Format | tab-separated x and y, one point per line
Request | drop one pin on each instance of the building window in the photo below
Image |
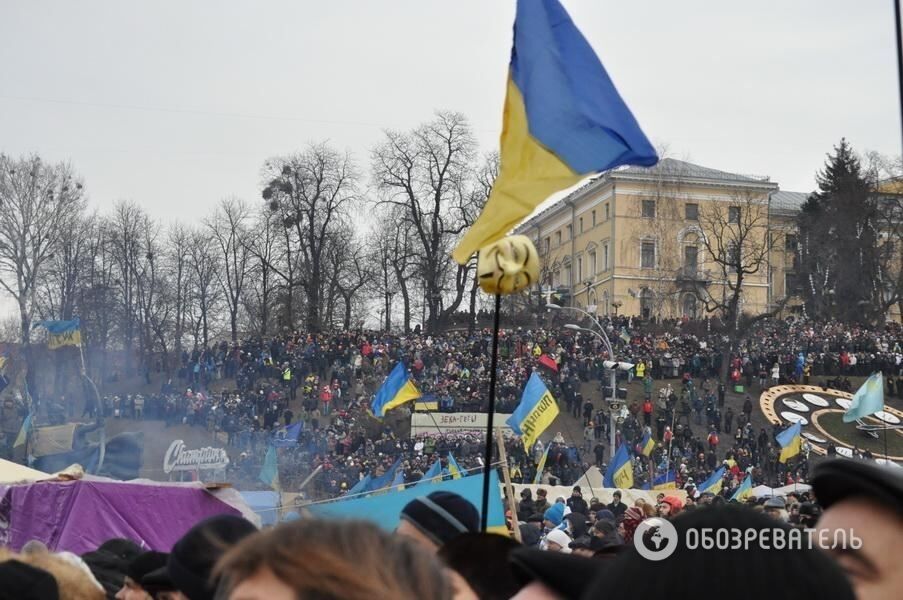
548	244
567	276
579	268
647	255
581	225
605	256
691	259
570	231
691	212
592	263
606	211
790	242
557	238
556	279
648	209
791	284
594	218
733	215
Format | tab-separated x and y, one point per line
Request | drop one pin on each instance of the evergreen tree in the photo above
839	242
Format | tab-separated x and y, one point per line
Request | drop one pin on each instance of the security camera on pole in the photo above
614	404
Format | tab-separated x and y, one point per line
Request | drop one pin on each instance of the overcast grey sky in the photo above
176	104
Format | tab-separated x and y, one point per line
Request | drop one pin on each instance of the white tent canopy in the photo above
11	472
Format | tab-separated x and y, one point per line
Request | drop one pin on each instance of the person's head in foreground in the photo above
756	572
329	560
864	500
193	557
434	520
45	576
479	562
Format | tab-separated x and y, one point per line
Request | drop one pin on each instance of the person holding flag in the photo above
537	479
534	414
647	445
398	389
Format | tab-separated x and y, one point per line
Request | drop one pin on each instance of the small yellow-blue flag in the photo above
536	411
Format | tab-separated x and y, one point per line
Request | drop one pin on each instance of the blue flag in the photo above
536	411
385	480
714	483
361	486
433	473
286	437
397	389
868	399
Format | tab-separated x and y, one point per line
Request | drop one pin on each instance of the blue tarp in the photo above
265	504
384	508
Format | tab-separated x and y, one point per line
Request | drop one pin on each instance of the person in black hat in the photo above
193	557
141	565
109	562
865	500
433	520
19	581
754	572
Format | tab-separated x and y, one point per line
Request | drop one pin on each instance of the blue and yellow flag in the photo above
386	479
542	465
647	445
427	403
563	119
453	469
434	473
619	473
23	432
62	333
744	490
269	473
395	391
713	484
791	442
536	411
867	400
665	481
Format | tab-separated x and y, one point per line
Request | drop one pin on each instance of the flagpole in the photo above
487	463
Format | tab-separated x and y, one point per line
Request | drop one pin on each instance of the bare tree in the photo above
38	202
312	192
229	229
204	263
177	259
262	243
735	239
427	174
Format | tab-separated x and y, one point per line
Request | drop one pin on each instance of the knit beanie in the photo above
554	514
441	516
561	538
194	555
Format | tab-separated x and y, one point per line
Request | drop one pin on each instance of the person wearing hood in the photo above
553	516
576	502
557	541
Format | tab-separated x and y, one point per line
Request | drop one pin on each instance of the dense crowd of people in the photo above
833	542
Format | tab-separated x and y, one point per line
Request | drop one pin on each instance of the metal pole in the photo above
611	412
487	463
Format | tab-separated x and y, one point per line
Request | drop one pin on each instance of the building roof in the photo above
787	202
665	168
671	167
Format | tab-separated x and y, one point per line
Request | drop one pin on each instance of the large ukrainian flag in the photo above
395	391
714	483
563	119
62	333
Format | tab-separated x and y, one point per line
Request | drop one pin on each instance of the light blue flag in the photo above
434	472
269	473
868	399
361	486
385	480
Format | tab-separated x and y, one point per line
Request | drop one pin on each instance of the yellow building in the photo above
638	241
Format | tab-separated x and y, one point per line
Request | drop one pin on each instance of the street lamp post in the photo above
612	365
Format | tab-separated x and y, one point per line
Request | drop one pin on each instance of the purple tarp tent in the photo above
79	516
